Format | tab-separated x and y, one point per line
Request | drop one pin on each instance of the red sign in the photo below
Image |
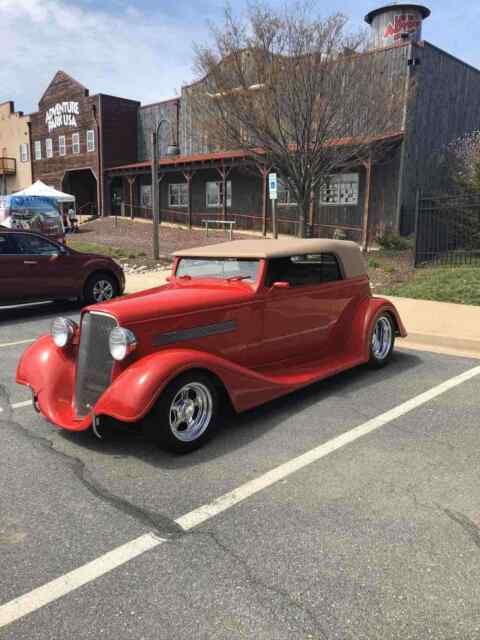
402	23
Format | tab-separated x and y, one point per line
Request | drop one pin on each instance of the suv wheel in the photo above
101	287
186	414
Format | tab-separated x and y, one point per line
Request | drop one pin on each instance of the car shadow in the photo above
37	311
240	430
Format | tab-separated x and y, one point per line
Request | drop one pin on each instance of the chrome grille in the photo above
94	362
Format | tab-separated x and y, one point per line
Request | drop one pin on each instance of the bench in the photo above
227	224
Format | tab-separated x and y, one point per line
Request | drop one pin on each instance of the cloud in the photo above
131	53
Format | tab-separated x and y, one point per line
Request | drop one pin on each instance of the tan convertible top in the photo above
348	252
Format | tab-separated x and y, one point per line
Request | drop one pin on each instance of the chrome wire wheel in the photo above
190	412
103	291
382	338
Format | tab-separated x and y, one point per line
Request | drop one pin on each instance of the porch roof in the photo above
218	158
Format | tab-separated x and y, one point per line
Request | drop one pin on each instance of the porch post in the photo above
224	173
264	171
131	182
366	206
188	177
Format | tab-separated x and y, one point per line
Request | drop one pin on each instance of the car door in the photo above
50	275
299	316
13	272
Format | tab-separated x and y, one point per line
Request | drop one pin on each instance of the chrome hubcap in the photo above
191	411
102	291
382	338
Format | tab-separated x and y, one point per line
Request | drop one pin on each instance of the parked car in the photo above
32	268
32	213
239	323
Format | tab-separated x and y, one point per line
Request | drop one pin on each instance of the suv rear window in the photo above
312	268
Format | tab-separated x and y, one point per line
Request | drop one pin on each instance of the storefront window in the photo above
61	146
340	189
90	140
214	194
75	143
49	148
178	194
38	149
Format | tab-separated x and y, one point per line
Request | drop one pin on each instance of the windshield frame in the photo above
231	278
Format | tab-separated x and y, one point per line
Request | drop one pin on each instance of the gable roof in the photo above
61	76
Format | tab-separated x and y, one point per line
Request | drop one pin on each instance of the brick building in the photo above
74	136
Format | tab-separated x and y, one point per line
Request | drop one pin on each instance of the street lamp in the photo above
155	198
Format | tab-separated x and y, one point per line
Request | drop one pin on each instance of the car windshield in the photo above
224	268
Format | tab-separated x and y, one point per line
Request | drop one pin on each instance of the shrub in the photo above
394	242
373	264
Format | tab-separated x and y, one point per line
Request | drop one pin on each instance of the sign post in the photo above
272	189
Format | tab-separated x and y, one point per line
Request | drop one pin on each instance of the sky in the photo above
143	49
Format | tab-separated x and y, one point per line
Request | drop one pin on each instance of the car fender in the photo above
134	392
364	319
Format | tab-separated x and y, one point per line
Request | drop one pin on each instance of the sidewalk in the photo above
441	327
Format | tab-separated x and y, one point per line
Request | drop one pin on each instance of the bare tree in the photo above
292	89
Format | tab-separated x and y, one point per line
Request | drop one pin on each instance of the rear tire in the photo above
186	415
100	287
382	340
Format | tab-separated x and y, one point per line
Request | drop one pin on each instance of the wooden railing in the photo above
8	166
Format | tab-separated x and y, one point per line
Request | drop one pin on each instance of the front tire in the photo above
100	287
382	340
186	415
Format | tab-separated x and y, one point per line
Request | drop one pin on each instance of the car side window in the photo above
7	245
304	269
32	245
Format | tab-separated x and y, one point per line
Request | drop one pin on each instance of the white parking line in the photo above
19	405
40	597
14	344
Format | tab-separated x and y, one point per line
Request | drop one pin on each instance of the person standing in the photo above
72	219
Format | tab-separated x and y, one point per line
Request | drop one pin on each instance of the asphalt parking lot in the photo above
348	510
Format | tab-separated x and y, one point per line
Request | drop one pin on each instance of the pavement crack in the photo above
162	525
313	630
467	525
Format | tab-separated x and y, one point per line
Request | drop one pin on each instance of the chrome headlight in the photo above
121	342
62	331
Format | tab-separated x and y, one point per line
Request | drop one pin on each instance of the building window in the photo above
75	143
24	152
214	193
178	194
340	189
38	149
49	148
90	140
284	196
62	149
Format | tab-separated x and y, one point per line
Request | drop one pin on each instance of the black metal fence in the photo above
448	230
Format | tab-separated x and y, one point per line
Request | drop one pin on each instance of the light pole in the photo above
155	198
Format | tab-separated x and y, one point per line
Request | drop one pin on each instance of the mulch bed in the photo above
389	268
137	236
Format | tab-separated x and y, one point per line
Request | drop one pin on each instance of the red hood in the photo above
175	298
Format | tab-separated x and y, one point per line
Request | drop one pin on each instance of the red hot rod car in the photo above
240	322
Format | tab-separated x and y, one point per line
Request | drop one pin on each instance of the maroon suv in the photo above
32	267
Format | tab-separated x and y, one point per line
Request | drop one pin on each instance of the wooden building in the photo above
99	147
15	166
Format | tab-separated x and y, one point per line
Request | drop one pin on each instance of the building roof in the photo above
245	154
348	252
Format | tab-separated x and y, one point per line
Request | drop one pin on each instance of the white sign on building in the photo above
63	114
